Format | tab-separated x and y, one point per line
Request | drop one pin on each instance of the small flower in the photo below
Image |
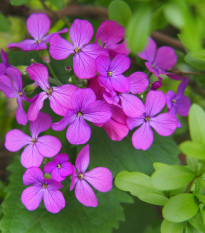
13	88
110	34
59	97
38	25
4	65
59	167
164	124
100	178
84	107
36	147
46	189
85	54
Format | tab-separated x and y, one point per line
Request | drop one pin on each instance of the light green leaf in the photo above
194	60
4	23
197	123
158	165
18	2
193	149
120	12
172	177
171	227
138	30
202	211
180	208
200	197
197	222
139	184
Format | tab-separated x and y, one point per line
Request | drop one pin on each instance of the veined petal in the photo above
38	24
33	175
28	45
16	139
2	68
83	159
135	122
182	86
142	138
85	194
47	37
154	103
138	82
66	169
21	116
120	64
31	197
81	32
49	167
94	50
105	82
54	200
48	146
74	179
60	48
182	106
78	132
30	157
16	78
149	52
4	58
36	106
164	124
61	158
103	65
100	178
169	97
120	83
115	49
6	87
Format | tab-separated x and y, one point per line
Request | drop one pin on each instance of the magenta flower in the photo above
36	147
38	25
13	88
85	54
59	97
59	167
46	189
100	178
5	64
84	107
164	124
110	72
110	34
179	103
159	60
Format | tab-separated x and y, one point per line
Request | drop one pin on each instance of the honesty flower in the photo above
110	72
13	88
4	65
36	147
46	189
38	25
59	167
100	178
84	107
59	97
110	34
85	54
179	103
164	124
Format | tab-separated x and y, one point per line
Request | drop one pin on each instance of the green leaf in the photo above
57	3
200	197
120	12
5	24
202	211
139	184
180	208
193	60
171	227
18	2
193	149
197	222
197	124
158	165
138	30
172	177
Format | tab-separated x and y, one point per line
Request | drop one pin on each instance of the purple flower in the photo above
159	60
46	189
13	88
164	124
59	167
85	54
179	103
4	65
100	178
110	34
110	72
59	97
84	107
38	25
36	147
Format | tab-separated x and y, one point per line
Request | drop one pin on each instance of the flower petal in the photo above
142	138
120	83
138	82
149	52
16	139
85	194
94	50
6	87
55	174
4	58
31	197
48	146
74	179
83	159
183	105
103	65
135	122
100	178
28	45
21	116
66	169
81	32
182	86
54	200
16	78
61	158
33	175
49	167
120	64
169	97
47	37
60	48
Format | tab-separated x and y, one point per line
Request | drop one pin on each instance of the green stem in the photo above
55	82
53	73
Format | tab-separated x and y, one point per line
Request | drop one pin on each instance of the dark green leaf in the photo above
57	3
18	2
4	25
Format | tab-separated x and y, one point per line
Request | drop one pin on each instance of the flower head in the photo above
46	189
100	178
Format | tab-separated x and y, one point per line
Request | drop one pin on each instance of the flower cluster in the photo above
110	100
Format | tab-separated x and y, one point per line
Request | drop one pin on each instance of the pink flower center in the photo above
49	91
80	176
109	73
45	186
147	119
59	166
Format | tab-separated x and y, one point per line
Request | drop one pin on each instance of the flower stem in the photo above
53	74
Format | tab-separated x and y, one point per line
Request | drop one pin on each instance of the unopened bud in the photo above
44	56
